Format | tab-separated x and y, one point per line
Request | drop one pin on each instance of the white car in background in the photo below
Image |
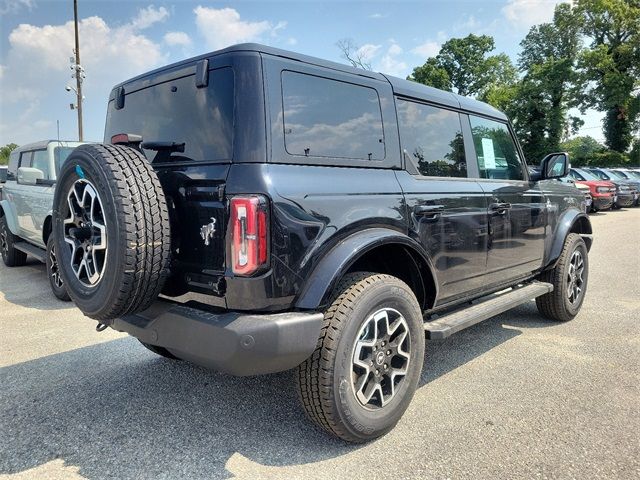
26	206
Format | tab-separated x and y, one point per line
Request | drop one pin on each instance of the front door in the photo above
446	210
516	206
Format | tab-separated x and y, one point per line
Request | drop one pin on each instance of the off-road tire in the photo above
556	305
323	381
10	255
58	290
163	352
137	230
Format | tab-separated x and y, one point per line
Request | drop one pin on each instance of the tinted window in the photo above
328	118
60	154
40	160
177	111
432	139
3	174
495	149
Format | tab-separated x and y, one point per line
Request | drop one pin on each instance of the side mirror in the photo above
29	176
554	165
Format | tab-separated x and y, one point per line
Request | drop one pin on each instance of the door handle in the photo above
500	208
428	212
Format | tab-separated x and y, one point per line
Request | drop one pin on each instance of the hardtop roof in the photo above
400	86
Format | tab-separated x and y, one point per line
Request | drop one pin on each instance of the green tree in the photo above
464	66
548	57
611	66
5	152
582	150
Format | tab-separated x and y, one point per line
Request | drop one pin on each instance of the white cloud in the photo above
427	49
368	51
377	15
526	13
177	39
394	49
148	16
14	6
36	70
292	41
391	64
223	27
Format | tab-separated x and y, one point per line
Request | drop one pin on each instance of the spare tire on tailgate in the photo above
111	228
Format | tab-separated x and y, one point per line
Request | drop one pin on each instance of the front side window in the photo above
60	155
330	118
40	161
431	139
496	151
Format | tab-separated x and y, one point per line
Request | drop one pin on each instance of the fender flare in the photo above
11	219
337	261
566	224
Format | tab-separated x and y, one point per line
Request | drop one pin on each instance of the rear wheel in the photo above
53	272
569	279
365	369
10	255
111	231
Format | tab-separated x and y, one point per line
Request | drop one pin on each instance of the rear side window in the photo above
495	150
330	118
431	139
177	111
14	159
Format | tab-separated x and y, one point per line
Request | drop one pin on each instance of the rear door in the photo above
516	207
447	210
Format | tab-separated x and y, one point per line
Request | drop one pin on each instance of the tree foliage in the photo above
582	150
611	66
5	152
464	66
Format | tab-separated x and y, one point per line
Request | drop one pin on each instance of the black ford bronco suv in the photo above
254	210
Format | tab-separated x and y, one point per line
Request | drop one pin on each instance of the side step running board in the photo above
32	250
495	304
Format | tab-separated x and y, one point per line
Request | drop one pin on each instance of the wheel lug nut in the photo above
377	372
386	366
388	352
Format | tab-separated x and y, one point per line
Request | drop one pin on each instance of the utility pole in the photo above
78	71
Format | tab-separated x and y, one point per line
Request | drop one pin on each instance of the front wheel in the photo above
362	376
11	256
569	279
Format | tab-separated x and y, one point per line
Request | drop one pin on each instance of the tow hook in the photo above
101	327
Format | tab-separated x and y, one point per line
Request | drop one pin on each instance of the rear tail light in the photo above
249	235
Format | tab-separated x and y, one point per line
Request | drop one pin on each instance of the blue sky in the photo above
120	39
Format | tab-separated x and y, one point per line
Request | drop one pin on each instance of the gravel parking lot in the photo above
513	397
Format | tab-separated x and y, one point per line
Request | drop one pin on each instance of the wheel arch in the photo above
377	250
571	222
5	211
46	228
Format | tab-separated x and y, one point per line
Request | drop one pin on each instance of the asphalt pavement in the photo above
513	397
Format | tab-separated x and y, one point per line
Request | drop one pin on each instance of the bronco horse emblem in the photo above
207	231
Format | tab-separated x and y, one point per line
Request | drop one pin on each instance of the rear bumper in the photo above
231	342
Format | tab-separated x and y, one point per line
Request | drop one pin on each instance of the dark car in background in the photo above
627	188
603	192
